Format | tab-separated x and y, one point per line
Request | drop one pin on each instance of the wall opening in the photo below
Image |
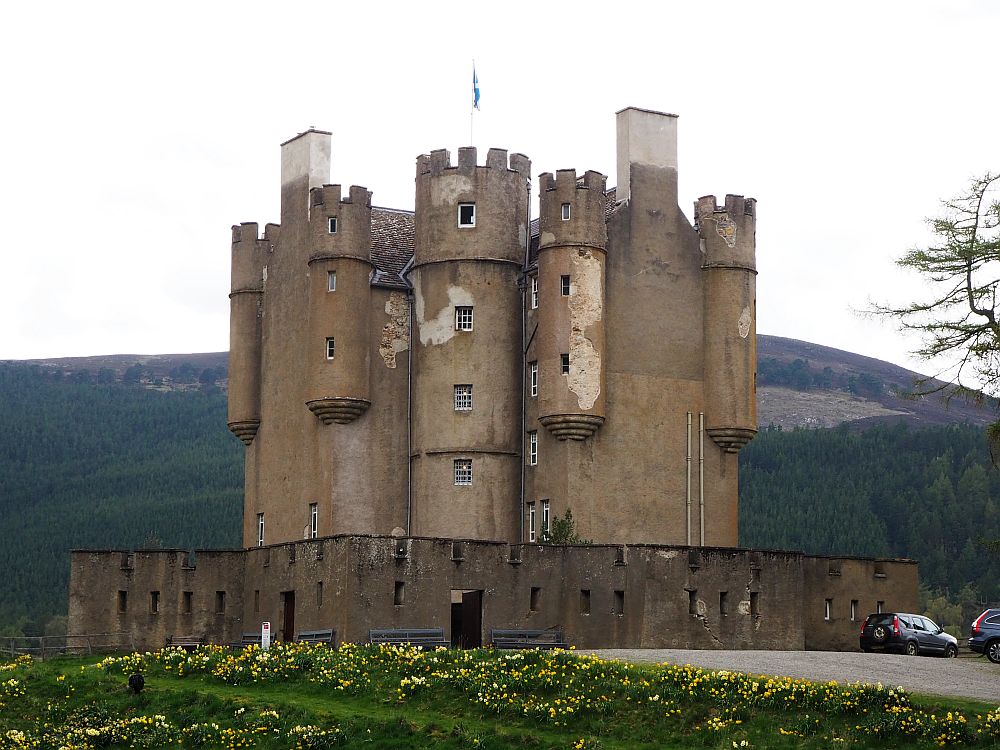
287	615
122	602
754	604
466	618
154	602
319	593
220	602
256	601
828	609
399	593
723	603
584	601
536	592
186	602
692	601
854	610
618	607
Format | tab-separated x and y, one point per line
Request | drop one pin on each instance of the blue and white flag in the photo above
475	88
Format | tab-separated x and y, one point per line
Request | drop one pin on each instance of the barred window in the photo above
546	520
463	397
533	377
463	471
564	363
531	522
463	318
313	520
532	448
564	285
534	292
260	529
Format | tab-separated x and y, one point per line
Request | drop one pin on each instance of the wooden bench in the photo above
247	639
422	637
326	637
528	639
186	642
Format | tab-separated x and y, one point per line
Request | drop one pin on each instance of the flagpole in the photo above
472	109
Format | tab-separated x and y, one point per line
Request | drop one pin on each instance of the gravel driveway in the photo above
965	677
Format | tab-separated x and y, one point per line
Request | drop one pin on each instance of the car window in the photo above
905	622
931	625
879	619
918	623
995	620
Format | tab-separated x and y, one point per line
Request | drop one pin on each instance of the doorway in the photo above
287	615
466	618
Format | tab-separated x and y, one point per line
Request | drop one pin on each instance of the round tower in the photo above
249	257
471	236
339	274
728	243
571	267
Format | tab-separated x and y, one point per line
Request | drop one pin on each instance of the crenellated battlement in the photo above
331	195
439	161
248	231
566	180
735	205
572	209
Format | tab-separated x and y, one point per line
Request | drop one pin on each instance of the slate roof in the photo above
393	235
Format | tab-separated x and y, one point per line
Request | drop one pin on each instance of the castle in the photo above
422	394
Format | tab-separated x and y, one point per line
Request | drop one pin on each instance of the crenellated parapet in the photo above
571	303
728	241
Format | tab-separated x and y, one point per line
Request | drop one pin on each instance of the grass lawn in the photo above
296	696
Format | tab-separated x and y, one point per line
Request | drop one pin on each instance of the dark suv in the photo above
985	637
906	633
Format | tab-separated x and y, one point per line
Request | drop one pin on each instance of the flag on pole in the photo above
475	87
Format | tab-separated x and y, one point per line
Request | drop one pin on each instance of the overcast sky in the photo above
136	134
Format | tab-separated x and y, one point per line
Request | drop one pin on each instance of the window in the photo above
531	522
466	214
692	601
533	448
546	520
533	377
754	604
331	226
565	211
220	602
463	397
331	281
878	607
313	520
122	602
584	601
330	348
154	602
319	593
828	607
723	603
536	593
260	529
854	610
463	318
256	601
186	605
463	471
564	363
534	292
564	285
618	606
398	593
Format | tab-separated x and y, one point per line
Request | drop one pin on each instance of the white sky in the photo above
135	135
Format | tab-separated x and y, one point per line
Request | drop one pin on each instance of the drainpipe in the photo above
688	486
524	352
701	472
409	422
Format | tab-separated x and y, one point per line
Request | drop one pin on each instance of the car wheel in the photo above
993	651
879	634
950	652
911	648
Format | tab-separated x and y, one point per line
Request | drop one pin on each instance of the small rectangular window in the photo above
260	529
534	292
536	593
220	602
256	601
466	214
186	602
331	225
313	520
546	520
564	285
584	601
878	607
854	610
331	281
827	609
531	522
754	604
693	601
463	318
533	377
723	603
154	602
565	211
618	607
319	593
463	397
398	593
532	448
122	602
330	348
564	363
463	471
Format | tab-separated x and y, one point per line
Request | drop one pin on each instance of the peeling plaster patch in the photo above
395	333
447	189
440	328
744	323
743	607
546	239
585	309
667	554
522	234
727	231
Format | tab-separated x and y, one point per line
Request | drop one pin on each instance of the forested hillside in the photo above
929	494
104	465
